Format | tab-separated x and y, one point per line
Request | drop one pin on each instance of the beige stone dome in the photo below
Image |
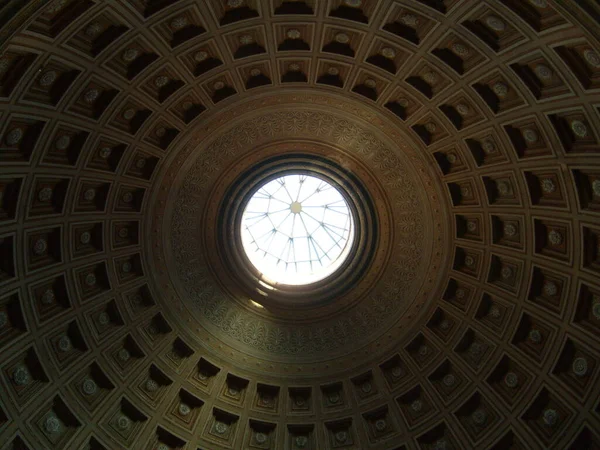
464	138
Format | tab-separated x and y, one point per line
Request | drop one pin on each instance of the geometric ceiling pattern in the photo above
501	100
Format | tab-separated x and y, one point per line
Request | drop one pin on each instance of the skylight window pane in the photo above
296	229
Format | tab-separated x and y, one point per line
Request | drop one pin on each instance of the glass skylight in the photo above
296	229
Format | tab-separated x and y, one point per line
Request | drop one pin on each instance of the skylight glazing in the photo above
297	229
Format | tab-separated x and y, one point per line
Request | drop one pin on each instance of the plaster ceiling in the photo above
473	126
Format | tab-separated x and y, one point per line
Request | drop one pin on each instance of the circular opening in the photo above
276	280
296	229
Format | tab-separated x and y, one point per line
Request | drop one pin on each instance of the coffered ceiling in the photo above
473	128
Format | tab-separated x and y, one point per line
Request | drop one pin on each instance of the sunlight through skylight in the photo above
296	229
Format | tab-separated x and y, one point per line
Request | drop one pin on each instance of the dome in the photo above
342	224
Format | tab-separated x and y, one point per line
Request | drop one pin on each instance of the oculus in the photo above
296	229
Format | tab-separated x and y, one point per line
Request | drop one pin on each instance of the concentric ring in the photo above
362	247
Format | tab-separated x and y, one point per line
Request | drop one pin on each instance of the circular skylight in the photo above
297	229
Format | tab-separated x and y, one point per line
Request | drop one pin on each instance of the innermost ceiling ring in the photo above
297	229
254	215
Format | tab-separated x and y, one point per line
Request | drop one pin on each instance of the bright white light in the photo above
296	229
256	304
